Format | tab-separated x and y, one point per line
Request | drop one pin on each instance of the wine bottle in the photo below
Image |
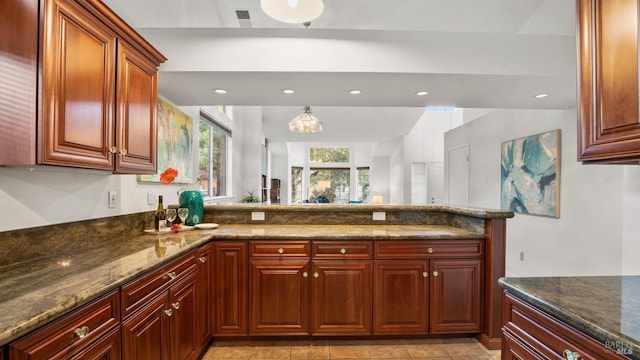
160	219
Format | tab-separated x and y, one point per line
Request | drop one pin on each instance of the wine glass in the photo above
170	214
183	213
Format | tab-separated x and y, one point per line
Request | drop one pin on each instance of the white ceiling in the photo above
466	53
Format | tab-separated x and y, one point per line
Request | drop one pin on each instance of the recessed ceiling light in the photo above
355	92
220	91
288	91
541	96
422	93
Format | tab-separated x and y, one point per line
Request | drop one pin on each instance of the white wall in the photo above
595	200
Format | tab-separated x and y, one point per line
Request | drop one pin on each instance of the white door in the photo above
418	183
458	176
435	183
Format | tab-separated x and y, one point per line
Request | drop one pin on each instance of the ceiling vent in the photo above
243	18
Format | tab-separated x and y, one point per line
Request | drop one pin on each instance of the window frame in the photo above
215	125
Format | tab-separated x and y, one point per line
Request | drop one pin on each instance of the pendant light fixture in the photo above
305	123
293	11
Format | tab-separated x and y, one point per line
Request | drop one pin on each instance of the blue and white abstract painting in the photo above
530	169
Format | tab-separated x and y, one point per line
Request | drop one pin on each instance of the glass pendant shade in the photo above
293	11
305	123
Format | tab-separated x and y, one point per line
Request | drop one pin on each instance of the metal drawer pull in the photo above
169	312
430	250
305	274
315	275
343	251
172	275
280	250
202	259
176	305
82	331
570	355
425	274
435	273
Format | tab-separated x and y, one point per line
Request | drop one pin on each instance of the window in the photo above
363	184
329	185
214	159
296	185
329	155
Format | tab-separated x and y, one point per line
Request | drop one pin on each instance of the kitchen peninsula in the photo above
445	260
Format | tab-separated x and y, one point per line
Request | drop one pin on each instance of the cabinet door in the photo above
183	329
400	295
341	297
609	126
205	297
107	348
230	287
145	335
456	296
279	297
78	88
136	115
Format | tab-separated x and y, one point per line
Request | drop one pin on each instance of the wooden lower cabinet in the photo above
204	259
529	333
230	282
456	296
91	332
341	297
400	297
279	297
166	327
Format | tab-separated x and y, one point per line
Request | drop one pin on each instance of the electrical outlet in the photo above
257	215
151	198
379	216
521	255
113	199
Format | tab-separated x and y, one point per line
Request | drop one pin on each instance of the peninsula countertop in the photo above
35	292
606	308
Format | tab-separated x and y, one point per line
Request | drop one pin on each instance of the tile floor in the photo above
423	349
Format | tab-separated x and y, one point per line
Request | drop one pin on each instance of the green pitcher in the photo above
192	200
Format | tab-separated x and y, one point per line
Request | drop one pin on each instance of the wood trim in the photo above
494	267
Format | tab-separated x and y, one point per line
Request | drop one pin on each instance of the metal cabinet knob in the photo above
430	250
435	273
172	275
280	251
202	259
305	274
570	355
315	275
176	305
113	150
169	312
123	152
425	274
343	251
82	331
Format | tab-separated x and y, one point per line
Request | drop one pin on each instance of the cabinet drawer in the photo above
279	249
428	249
71	332
342	249
548	336
146	287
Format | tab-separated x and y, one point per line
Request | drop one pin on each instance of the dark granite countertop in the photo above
606	308
39	290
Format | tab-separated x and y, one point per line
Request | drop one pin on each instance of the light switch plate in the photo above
257	215
379	216
151	198
113	199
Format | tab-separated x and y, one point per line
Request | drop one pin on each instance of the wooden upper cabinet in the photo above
608	117
78	88
94	105
136	112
